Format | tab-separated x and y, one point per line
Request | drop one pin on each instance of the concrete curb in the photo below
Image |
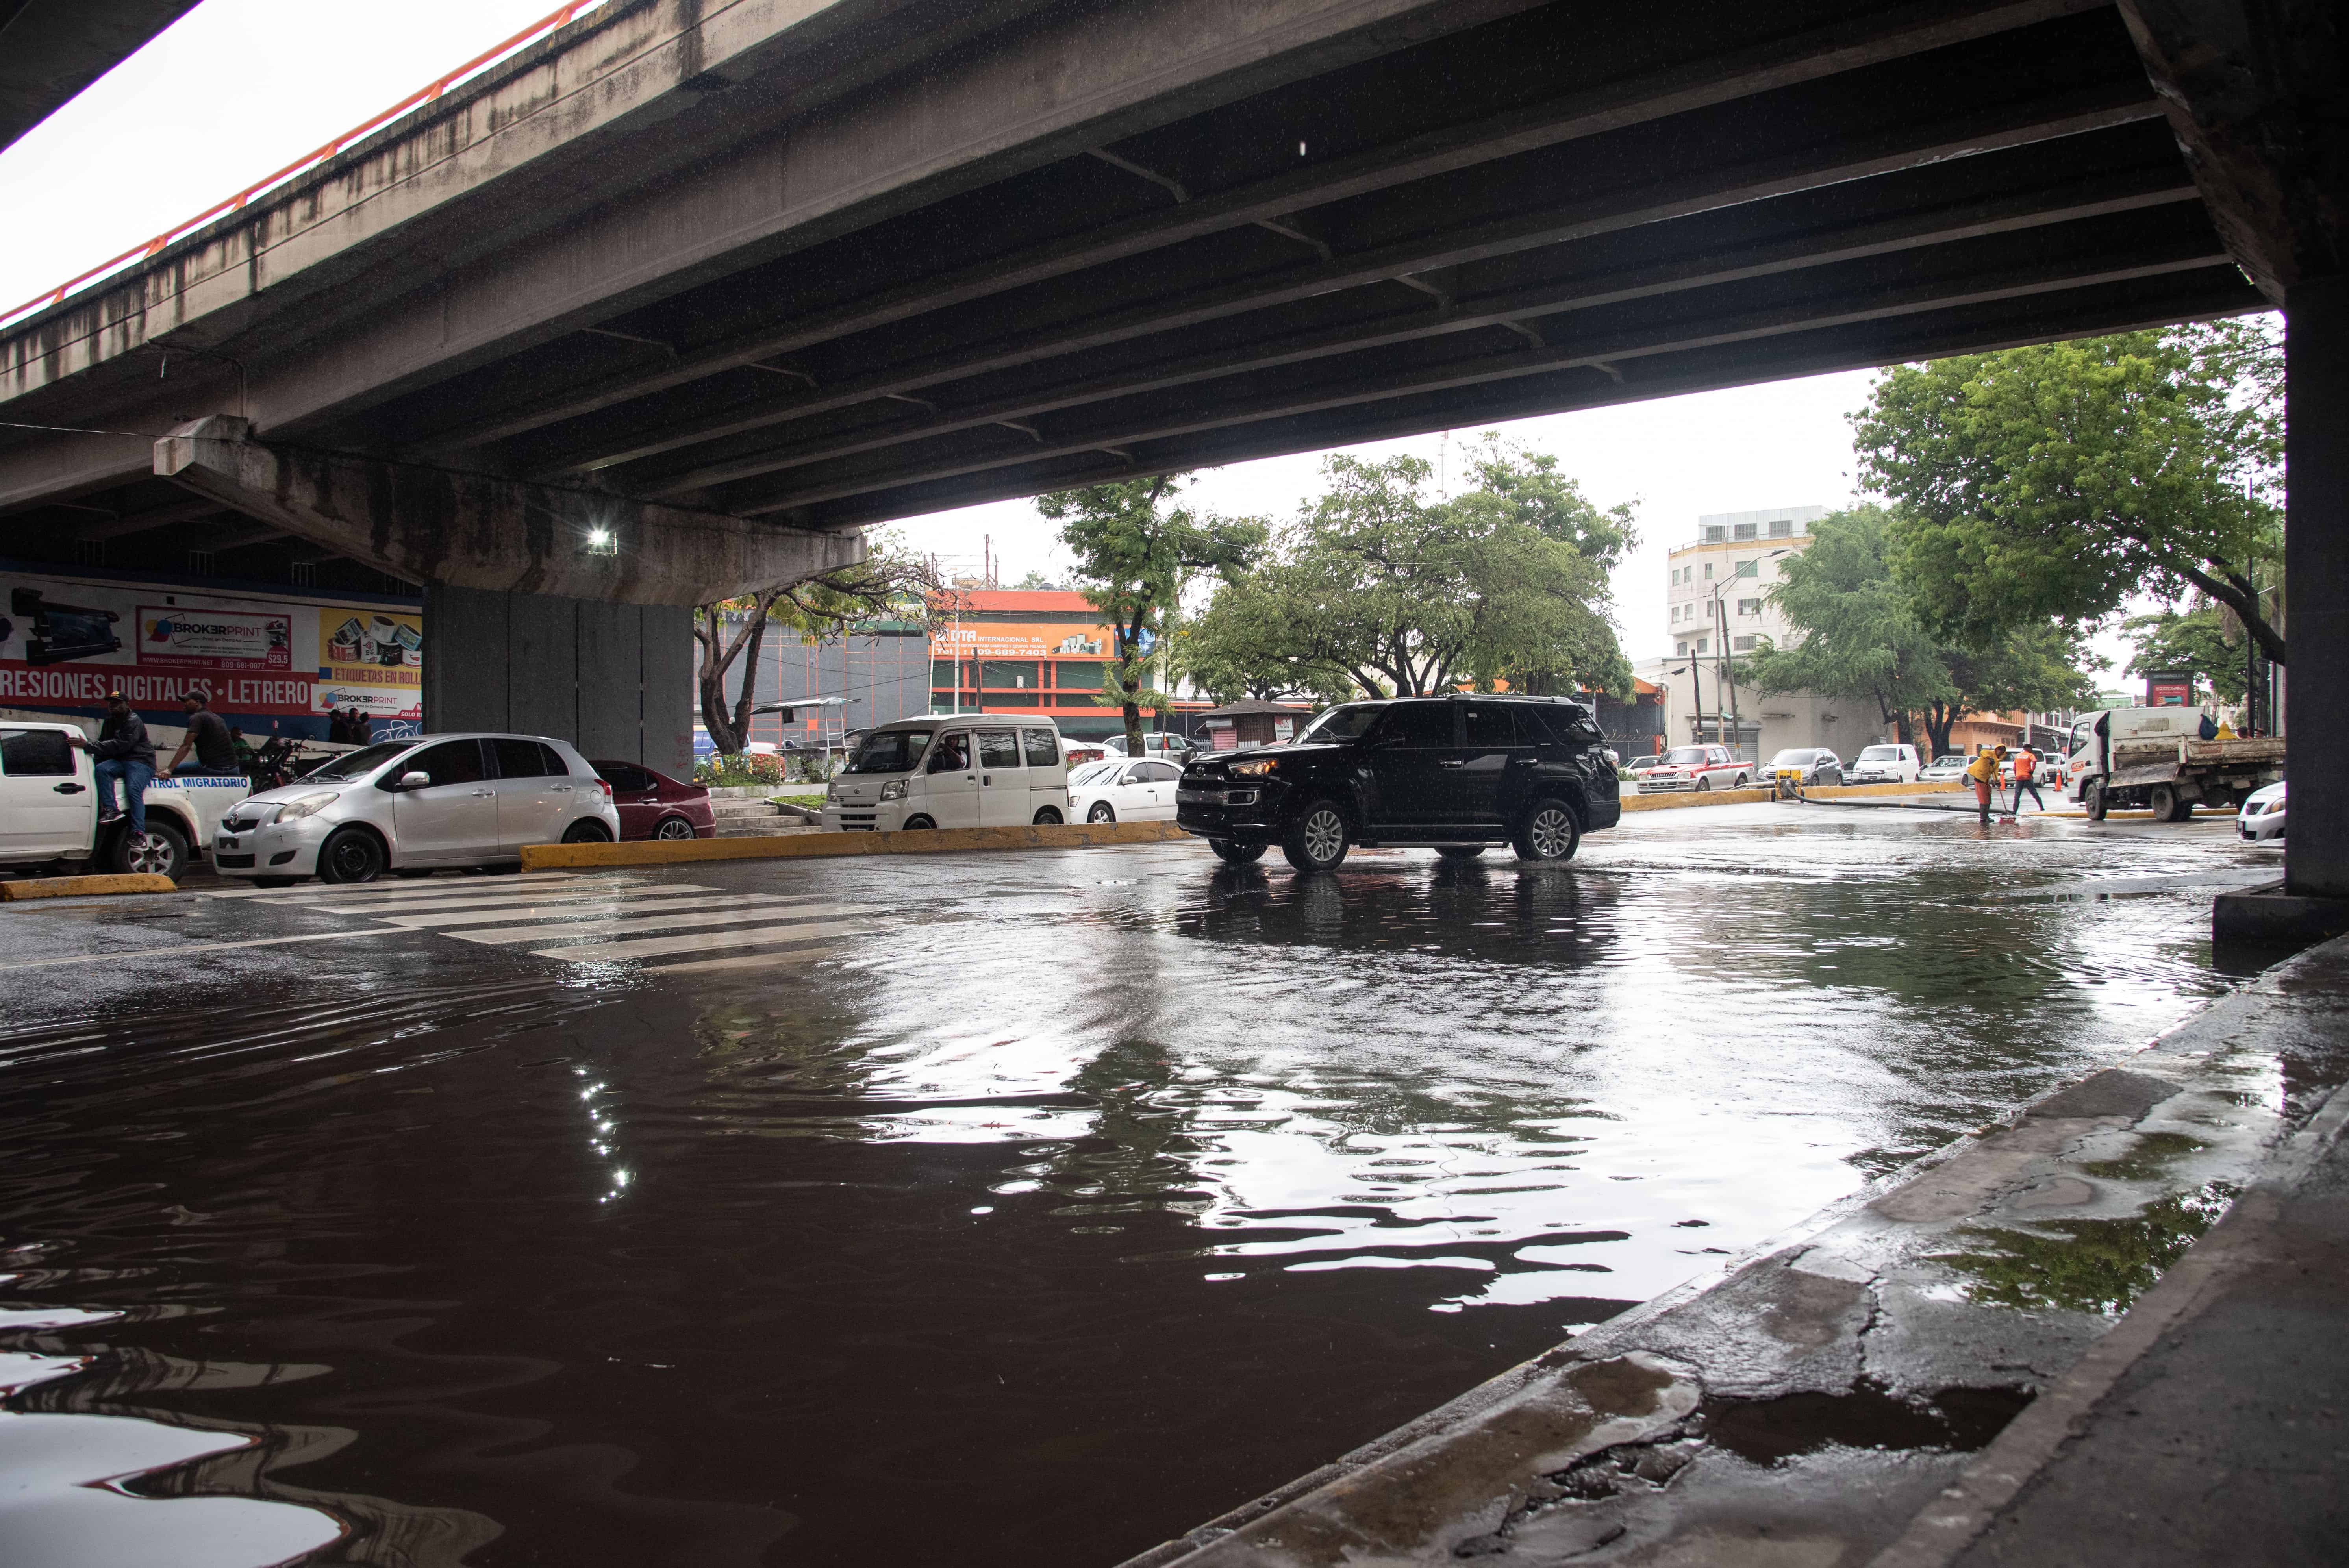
1665	802
87	887
818	846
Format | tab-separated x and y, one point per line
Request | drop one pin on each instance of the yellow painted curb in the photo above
1835	792
1694	798
87	887
819	846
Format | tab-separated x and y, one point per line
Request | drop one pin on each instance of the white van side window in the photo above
1043	750
998	748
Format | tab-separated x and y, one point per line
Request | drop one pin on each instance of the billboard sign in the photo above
65	642
1014	641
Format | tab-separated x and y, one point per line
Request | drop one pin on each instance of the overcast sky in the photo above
237	88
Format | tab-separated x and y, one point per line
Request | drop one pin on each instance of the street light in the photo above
1727	682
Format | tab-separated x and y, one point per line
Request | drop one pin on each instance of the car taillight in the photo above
607	785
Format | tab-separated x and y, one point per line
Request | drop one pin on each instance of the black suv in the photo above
1456	772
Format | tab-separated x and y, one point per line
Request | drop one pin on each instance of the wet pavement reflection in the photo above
1087	1195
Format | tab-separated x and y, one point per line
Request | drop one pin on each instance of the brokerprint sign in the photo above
215	639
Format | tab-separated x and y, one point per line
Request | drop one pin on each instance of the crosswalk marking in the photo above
587	917
654	946
587	909
577	931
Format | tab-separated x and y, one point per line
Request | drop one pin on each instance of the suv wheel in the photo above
1234	854
1048	817
1317	839
1550	832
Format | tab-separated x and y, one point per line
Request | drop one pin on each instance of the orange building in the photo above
1010	650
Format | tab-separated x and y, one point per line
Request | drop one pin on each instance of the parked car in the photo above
1884	765
652	805
1697	768
48	807
1809	765
1121	792
960	770
2261	817
1173	748
1075	752
414	805
1946	768
1457	773
1644	763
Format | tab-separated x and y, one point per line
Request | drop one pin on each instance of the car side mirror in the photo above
414	778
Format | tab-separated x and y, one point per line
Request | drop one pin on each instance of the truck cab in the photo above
48	807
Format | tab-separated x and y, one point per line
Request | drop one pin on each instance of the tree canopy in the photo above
1865	640
2195	640
2054	482
1135	554
1381	587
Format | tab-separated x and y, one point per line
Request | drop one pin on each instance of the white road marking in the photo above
378	889
675	921
88	959
795	957
546	896
653	946
591	908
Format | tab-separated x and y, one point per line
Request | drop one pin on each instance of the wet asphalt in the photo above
980	1209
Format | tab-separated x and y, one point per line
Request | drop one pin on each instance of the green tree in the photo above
2055	482
2195	640
890	580
1380	588
1864	640
1135	555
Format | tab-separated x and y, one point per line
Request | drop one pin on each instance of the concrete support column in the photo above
614	680
2316	585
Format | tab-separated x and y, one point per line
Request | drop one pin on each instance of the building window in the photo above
1743	531
1715	534
201	563
1740	644
1782	527
1683	648
1749	606
302	574
1077	675
1701	643
1708	571
1017	673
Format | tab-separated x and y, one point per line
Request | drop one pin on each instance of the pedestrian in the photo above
361	728
125	755
243	750
337	731
1983	771
208	737
2027	777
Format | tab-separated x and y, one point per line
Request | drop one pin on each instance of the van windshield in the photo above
890	751
1682	755
1879	753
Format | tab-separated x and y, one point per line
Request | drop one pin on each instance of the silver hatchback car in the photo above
417	804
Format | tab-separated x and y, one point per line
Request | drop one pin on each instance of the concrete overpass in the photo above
51	49
772	270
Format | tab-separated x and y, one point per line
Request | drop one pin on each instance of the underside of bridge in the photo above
891	258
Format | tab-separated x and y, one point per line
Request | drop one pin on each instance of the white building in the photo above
1717	605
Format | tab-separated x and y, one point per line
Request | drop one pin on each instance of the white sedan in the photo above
2262	817
1117	790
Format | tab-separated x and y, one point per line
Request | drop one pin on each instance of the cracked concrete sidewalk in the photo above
1849	1394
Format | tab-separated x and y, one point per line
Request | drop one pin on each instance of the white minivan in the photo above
958	770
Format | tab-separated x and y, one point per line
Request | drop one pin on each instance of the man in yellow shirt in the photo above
1983	773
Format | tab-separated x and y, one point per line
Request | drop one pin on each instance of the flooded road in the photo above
982	1209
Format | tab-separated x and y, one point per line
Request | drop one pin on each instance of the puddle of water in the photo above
1162	1188
2089	1265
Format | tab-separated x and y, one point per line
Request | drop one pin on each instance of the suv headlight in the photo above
893	790
307	806
1255	767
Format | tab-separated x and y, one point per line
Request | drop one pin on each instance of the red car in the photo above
656	806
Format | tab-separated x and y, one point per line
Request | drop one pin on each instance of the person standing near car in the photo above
127	756
1982	773
208	737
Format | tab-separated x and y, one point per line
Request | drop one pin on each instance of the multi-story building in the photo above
1012	649
1718	611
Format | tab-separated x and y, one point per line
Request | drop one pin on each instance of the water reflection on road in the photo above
1106	1190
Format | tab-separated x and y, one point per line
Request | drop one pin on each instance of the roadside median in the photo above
824	846
87	887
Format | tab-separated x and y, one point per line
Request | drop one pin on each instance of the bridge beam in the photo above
475	530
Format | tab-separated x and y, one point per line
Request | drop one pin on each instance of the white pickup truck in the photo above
48	807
